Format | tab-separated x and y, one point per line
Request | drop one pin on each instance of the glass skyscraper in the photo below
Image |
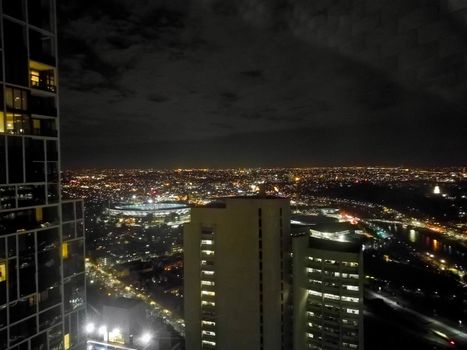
42	281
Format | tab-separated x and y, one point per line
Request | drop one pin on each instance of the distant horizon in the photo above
458	167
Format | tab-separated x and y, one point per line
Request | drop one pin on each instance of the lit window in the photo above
39	214
348	287
208	273
66	341
207	283
355	300
207	241
65	250
2	122
331	296
210	333
208	303
314	292
205	292
352	311
35	78
2	271
208	323
207	252
308	269
208	342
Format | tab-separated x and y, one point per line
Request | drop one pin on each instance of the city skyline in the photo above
201	84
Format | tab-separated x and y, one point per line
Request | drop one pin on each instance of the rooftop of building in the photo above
333	234
221	202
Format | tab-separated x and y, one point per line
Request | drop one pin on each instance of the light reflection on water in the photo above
422	239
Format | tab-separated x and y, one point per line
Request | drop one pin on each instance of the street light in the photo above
145	338
89	328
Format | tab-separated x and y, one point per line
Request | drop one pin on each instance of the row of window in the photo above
30	65
39	12
208	333
29	160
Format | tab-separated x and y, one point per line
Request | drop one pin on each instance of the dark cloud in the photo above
278	73
254	73
158	98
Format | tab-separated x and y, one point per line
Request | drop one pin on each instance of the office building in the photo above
328	288
237	275
42	283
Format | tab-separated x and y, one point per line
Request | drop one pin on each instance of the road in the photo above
459	334
121	289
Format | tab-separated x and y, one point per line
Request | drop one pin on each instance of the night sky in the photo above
156	84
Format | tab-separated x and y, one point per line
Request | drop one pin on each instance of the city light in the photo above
145	338
102	330
89	328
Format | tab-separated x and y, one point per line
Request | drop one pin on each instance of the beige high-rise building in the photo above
328	291
237	275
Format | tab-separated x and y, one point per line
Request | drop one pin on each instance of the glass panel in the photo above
52	154
50	297
52	173
12	278
22	308
7	197
15	159
40	14
11	246
3	339
27	264
68	211
14	8
35	160
22	330
56	338
39	342
31	195
2	158
74	293
41	47
52	193
3	316
50	317
74	263
68	230
16	56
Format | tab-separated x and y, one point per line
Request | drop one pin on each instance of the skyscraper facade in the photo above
328	292
237	285
42	285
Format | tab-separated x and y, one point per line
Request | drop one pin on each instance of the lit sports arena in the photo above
142	210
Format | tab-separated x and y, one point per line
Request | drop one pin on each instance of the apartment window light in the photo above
331	296
210	333
205	292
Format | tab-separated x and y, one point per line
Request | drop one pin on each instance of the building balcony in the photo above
42	106
42	76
